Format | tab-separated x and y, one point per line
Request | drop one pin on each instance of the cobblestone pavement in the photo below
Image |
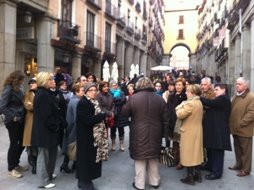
118	174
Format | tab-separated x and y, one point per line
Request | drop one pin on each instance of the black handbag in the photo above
166	157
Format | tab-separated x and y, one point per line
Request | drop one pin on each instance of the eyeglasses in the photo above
158	86
52	78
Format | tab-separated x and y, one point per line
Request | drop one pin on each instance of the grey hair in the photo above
207	79
244	81
112	82
144	83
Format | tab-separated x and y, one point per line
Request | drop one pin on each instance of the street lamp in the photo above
28	17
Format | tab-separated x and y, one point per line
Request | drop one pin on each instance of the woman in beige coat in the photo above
189	114
28	104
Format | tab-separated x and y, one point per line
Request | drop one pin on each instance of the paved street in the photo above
118	174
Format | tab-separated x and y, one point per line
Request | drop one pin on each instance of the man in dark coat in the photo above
148	113
208	93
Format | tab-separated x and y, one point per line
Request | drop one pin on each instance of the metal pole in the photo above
241	41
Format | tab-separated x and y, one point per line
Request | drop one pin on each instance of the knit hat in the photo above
89	85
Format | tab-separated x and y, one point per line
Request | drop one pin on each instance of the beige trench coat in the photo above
28	104
191	142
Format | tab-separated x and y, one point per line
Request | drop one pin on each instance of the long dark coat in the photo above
45	119
149	116
87	169
216	131
173	101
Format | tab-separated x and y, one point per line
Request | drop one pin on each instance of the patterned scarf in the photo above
100	135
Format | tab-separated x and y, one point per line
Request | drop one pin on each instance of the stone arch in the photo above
180	44
179	56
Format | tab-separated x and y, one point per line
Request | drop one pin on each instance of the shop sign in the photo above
25	33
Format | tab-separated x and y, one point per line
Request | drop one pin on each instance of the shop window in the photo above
31	66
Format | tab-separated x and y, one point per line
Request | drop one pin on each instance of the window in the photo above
181	19
108	38
90	29
180	34
66	12
136	22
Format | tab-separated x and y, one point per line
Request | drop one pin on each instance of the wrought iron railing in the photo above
93	41
120	18
95	3
110	9
109	47
130	27
68	31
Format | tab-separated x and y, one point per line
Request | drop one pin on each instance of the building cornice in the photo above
9	2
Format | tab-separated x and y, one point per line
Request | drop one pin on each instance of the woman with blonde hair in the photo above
11	106
189	114
46	120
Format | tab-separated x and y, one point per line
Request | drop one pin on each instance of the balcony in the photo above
137	34
120	18
131	2
95	3
144	38
110	10
221	53
234	13
93	42
68	31
129	28
110	49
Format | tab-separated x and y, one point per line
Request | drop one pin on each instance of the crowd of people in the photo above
192	113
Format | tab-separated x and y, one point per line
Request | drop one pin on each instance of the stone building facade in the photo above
80	35
226	40
180	32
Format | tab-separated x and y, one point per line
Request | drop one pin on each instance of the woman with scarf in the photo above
92	143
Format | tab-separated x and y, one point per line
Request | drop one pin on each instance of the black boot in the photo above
64	168
198	176
190	177
34	164
73	167
34	168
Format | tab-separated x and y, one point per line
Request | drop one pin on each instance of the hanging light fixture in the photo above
28	17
